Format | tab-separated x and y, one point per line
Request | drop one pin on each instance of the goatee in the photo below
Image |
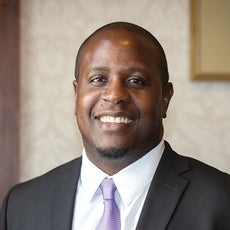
113	153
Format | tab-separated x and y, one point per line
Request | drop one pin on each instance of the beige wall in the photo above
51	31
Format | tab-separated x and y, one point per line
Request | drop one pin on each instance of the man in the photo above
122	94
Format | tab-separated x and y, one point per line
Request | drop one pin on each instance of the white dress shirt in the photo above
132	185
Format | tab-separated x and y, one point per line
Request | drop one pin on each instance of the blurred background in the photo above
51	32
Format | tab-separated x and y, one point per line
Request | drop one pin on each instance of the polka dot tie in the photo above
110	219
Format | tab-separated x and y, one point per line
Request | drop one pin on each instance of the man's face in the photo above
119	96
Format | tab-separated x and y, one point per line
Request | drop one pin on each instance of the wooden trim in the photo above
197	55
9	94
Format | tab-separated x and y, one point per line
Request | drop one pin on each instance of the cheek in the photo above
85	104
150	108
149	102
83	108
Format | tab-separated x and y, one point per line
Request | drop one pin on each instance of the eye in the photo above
135	82
98	80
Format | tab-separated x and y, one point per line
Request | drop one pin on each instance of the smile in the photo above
117	120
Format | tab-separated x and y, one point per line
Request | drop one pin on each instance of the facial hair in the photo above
113	153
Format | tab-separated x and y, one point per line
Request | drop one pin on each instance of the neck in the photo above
112	165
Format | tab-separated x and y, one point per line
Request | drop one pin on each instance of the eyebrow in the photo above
128	69
135	69
98	68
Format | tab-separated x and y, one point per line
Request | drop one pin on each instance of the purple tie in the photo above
111	215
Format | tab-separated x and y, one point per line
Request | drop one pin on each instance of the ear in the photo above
167	93
75	87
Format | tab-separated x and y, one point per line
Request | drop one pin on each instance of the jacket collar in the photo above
165	191
62	202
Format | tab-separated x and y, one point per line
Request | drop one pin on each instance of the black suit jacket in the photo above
185	194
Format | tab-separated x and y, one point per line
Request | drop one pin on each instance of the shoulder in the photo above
44	183
207	188
31	201
206	180
192	167
202	173
209	180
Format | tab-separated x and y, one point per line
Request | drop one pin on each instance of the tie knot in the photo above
108	189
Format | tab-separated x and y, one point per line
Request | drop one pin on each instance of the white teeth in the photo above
109	119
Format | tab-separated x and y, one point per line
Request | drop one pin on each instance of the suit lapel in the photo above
165	192
63	196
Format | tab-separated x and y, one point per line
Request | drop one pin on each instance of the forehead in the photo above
119	37
119	42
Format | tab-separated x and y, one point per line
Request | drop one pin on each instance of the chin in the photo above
113	152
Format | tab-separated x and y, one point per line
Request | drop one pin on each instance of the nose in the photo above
116	92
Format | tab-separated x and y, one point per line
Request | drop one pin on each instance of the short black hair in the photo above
162	62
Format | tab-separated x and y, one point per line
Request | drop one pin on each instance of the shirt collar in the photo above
129	181
91	176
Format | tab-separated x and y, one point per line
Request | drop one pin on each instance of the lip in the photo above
111	117
114	122
117	120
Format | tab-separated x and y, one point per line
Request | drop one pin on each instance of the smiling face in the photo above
120	101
